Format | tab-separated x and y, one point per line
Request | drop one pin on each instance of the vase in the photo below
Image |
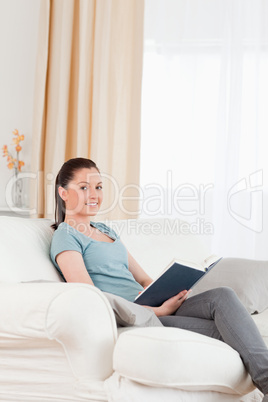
17	190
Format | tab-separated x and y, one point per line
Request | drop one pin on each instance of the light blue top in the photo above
106	263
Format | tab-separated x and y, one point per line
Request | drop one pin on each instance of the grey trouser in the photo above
218	313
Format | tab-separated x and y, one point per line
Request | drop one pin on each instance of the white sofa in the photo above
60	342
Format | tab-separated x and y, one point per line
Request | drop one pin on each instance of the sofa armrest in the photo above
77	316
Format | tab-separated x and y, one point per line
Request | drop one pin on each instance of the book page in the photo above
210	260
198	265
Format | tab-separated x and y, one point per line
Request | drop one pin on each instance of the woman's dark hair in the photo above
65	175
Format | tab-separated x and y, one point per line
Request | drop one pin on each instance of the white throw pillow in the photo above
248	278
24	250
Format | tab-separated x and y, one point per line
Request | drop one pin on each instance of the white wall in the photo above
18	45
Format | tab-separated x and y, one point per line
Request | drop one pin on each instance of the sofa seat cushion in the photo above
176	358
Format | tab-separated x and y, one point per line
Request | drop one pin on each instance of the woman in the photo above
87	252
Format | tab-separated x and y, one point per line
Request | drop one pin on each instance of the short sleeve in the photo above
63	240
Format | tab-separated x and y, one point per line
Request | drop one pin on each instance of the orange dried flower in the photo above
12	162
10	165
21	163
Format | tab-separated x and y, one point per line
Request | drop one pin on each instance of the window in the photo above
204	119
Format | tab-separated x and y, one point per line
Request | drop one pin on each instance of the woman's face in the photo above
83	195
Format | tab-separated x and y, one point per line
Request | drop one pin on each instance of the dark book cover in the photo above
176	278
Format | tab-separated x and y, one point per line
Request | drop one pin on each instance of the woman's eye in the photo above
84	188
99	187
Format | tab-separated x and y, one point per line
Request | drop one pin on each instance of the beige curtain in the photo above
87	98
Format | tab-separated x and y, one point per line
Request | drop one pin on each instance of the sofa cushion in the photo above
24	250
248	278
131	314
176	358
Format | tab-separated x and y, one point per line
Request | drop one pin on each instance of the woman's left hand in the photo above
171	305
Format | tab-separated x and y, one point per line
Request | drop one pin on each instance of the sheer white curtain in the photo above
204	151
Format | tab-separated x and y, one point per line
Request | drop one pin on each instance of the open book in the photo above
178	275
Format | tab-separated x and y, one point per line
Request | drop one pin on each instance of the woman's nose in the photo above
93	193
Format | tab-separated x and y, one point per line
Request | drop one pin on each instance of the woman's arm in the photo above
73	267
170	305
139	274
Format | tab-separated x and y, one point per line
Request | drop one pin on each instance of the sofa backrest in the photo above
154	243
25	243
